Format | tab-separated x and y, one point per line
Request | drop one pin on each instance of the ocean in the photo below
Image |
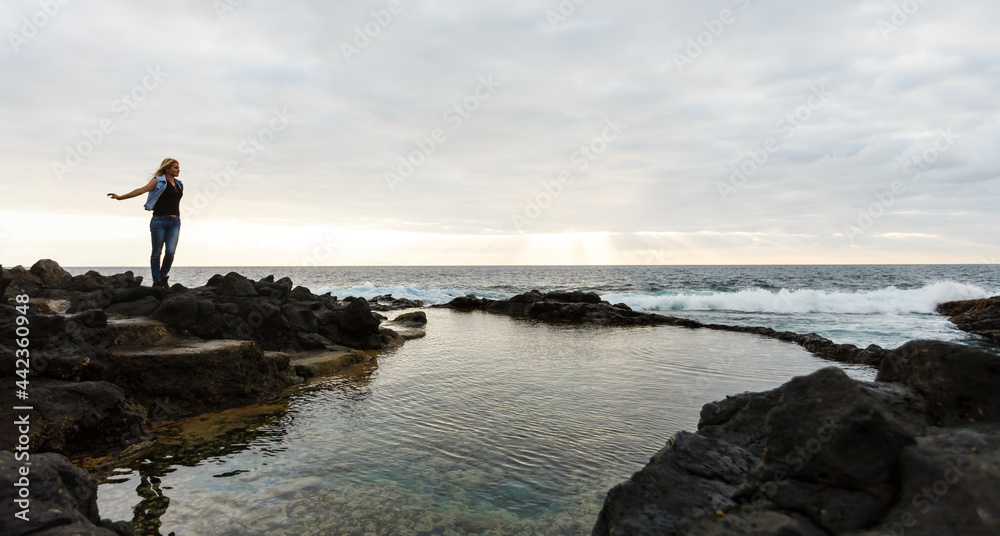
493	425
886	305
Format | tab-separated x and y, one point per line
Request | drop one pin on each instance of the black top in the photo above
169	202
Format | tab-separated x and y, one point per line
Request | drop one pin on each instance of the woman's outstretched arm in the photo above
138	191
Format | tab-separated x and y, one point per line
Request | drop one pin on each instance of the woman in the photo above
165	192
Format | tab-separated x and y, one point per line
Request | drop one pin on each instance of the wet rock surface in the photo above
63	499
77	418
825	454
979	317
387	303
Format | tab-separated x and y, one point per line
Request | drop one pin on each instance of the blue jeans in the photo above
164	230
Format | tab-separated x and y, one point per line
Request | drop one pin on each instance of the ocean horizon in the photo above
879	304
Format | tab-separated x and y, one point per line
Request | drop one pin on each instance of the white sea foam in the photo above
890	300
755	300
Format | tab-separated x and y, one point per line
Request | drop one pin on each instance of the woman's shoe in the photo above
165	283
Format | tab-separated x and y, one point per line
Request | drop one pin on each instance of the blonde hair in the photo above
167	162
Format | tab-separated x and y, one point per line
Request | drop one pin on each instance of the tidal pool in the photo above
488	425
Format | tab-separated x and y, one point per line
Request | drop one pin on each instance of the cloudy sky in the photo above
441	132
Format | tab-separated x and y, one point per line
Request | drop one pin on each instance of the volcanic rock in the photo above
980	317
63	499
839	457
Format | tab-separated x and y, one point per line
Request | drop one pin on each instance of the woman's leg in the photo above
158	233
173	231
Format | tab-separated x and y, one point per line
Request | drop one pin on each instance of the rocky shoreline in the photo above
917	453
823	454
109	358
588	308
979	317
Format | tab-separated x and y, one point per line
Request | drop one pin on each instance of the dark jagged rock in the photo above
91	280
302	294
839	457
829	407
757	522
191	376
95	299
132	294
980	317
387	303
416	318
356	325
5	280
840	448
63	499
68	348
692	476
276	290
270	313
739	419
77	418
51	274
234	284
131	309
96	388
587	307
571	307
21	281
959	383
950	486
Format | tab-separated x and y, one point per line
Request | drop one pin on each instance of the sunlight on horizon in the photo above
85	241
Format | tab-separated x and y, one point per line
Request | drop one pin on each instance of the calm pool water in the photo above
488	425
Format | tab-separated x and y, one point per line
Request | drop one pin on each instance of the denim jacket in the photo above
154	194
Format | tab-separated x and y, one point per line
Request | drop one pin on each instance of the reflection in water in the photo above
486	426
146	514
189	443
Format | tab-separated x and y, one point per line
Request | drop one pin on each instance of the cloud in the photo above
356	114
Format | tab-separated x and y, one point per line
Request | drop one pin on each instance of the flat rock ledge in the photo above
916	453
110	357
979	317
588	308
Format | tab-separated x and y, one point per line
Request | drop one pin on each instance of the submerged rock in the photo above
825	454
